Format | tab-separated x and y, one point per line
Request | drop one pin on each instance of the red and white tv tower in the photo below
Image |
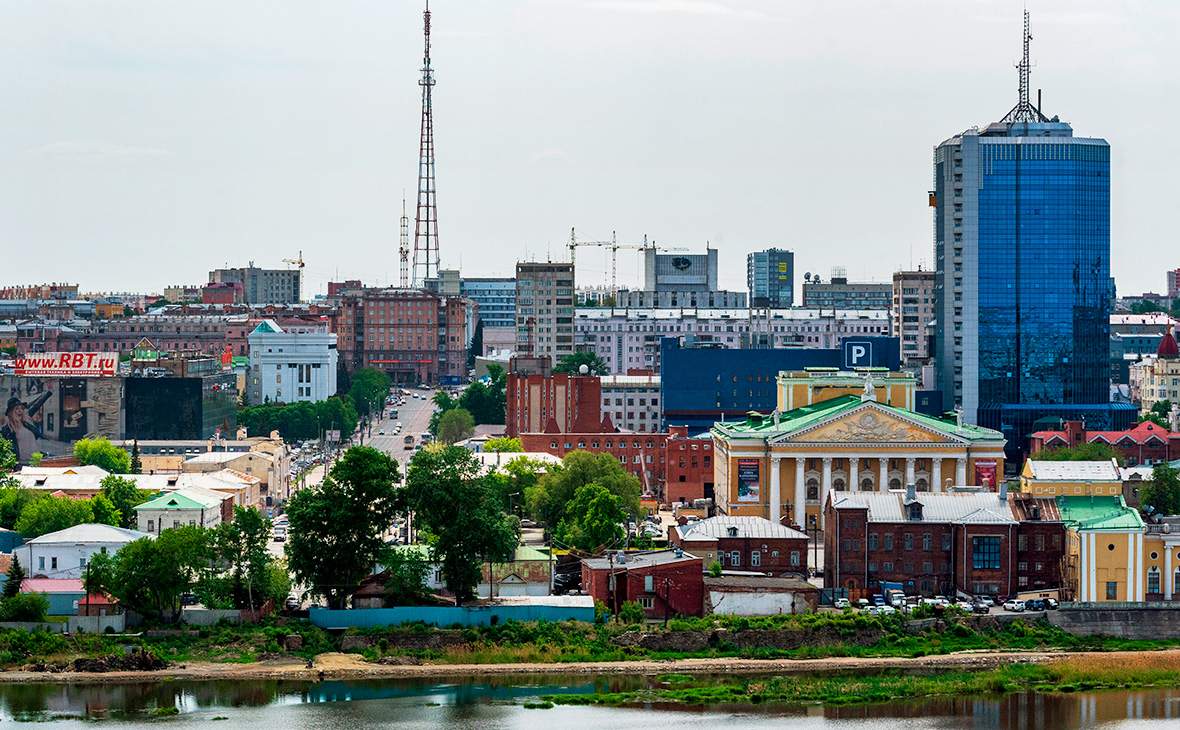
426	258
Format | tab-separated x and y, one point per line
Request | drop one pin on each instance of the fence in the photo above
445	616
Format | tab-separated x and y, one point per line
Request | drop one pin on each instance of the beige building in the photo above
1160	380
545	310
911	309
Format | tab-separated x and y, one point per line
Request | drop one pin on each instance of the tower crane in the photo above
614	246
295	262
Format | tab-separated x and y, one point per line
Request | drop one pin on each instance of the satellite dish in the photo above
807	276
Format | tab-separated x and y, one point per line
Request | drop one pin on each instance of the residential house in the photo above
663	582
745	543
66	553
64	594
1146	443
185	506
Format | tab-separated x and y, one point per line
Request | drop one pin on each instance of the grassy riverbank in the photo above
1065	675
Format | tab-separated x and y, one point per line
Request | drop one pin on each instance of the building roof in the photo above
765	427
718	527
1023	505
1140	434
90	532
185	498
218	457
1099	513
975	507
1073	471
51	585
757	584
91	469
634	559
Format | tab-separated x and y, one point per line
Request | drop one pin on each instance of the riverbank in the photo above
336	666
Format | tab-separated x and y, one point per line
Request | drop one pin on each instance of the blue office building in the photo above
1022	287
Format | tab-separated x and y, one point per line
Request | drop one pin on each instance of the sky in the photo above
143	143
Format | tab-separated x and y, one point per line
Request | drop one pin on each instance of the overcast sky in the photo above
143	143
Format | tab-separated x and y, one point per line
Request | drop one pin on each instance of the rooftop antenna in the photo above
1024	111
404	249
426	218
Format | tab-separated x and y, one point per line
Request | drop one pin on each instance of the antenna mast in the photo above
1024	111
403	250
426	256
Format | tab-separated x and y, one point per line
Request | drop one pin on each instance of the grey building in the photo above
263	286
545	310
911	311
496	298
840	293
770	276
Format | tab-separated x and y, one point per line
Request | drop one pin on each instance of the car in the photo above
985	600
886	610
872	610
878	599
188	599
982	608
1035	604
842	603
291	604
964	606
381	432
1014	606
1051	604
862	603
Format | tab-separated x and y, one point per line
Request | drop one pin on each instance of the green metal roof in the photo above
1099	513
172	500
800	418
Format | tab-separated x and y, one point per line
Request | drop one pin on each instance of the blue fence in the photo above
468	616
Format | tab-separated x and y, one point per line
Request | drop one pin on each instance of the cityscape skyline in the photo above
221	147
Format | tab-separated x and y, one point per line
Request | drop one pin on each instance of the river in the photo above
497	704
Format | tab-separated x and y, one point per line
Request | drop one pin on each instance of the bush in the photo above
631	613
24	607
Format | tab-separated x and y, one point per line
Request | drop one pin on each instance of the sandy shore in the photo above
353	666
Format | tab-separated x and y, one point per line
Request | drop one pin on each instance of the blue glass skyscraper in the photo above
1022	290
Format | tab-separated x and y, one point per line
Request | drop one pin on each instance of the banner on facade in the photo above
68	364
748	472
985	472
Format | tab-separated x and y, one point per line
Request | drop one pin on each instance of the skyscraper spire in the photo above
426	256
1024	111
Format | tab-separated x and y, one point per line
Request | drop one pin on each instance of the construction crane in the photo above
614	246
295	262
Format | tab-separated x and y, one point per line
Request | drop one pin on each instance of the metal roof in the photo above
1099	513
638	559
1074	471
950	507
718	527
91	532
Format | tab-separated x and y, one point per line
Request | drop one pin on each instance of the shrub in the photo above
631	613
24	607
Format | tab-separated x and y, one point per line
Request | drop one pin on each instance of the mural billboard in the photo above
748	479
47	415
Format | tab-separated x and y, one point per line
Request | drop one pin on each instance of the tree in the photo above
572	364
300	421
24	607
475	348
631	613
455	425
553	492
50	514
136	464
13	500
459	510
1154	418
102	453
150	575
105	512
1081	452
370	388
337	527
406	585
16	575
503	444
1161	495
1145	306
241	546
513	480
592	520
124	494
343	378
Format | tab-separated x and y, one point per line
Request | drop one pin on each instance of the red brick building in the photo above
744	543
553	404
663	582
1147	443
940	543
672	466
229	292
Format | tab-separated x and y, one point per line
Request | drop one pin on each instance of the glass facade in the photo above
770	276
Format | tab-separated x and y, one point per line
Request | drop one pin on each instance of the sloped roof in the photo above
1073	471
718	527
51	585
950	507
1099	513
639	559
90	532
185	498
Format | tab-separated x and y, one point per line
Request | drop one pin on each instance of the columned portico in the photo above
854	474
776	499
960	472
800	509
883	484
909	470
936	475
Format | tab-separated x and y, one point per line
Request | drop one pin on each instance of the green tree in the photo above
455	425
7	463
1145	306
503	444
553	492
124	494
150	575
1161	494
24	607
50	514
16	575
592	520
102	453
460	511
300	421
475	348
513	480
370	388
13	500
35	459
631	613
406	585
1081	452
572	364
241	546
337	527
136	464
104	510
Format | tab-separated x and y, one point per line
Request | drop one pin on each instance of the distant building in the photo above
545	310
662	582
1161	375
632	402
680	280
263	286
66	553
839	293
181	508
495	299
294	363
1147	443
229	292
553	403
744	543
911	311
770	276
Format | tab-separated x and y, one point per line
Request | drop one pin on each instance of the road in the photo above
414	416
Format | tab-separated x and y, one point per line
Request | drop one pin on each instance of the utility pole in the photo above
667	583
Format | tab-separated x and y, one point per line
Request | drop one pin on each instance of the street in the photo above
414	416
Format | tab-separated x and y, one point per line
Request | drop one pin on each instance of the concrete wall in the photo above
743	603
1124	620
97	624
467	615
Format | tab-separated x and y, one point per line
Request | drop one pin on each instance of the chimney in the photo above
1003	491
910	492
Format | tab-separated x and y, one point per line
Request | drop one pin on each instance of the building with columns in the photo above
844	431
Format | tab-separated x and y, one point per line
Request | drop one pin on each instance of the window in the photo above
872	541
151	526
909	541
887	567
985	553
888	541
1040	542
946	541
795	563
1022	542
927	542
927	568
648	580
735	558
909	568
647	603
847	544
1112	590
755	558
1153	580
41	563
53	563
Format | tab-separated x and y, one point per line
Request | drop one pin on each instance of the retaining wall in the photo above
1155	620
445	616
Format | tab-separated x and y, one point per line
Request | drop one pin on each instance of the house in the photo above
1105	546
663	582
743	595
1146	443
64	594
529	573
750	543
66	553
1071	478
182	507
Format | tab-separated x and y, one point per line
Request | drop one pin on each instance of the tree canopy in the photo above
370	388
337	527
455	425
300	421
1161	494
1081	452
549	499
572	364
150	575
503	444
460	511
102	453
592	520
50	514
241	547
124	495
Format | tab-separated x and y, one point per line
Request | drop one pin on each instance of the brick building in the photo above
229	292
744	543
1147	443
663	582
553	404
967	541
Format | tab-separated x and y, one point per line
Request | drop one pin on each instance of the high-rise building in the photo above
545	310
839	293
263	286
912	310
770	276
1022	251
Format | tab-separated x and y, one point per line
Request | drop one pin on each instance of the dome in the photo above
1168	348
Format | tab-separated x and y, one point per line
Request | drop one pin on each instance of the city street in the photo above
414	415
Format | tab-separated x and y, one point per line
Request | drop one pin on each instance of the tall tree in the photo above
50	514
370	388
102	453
475	348
124	494
104	510
1162	493
241	546
337	527
136	464
572	364
16	574
554	491
460	511
593	519
150	575
455	425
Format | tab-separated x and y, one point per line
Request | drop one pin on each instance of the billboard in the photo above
985	472
68	364
47	415
748	479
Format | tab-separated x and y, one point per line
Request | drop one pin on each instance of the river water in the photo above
497	704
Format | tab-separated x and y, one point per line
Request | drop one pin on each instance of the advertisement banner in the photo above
333	435
748	471
68	364
47	415
985	472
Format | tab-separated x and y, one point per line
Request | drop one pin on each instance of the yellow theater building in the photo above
838	430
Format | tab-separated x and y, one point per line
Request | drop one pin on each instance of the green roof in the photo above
523	552
1099	513
172	500
800	418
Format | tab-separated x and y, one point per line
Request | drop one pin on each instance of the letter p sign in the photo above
858	354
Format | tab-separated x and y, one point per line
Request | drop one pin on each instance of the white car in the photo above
1016	606
842	603
886	610
964	605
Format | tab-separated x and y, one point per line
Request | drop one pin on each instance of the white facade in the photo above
190	506
292	364
65	553
632	401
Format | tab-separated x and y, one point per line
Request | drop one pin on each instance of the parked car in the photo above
1035	604
862	603
964	606
981	608
188	599
842	603
1014	605
292	604
886	610
872	610
1051	604
985	600
878	599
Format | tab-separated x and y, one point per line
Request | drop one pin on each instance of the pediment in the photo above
868	423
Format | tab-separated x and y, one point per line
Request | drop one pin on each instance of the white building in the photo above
192	506
632	401
630	338
65	553
291	364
